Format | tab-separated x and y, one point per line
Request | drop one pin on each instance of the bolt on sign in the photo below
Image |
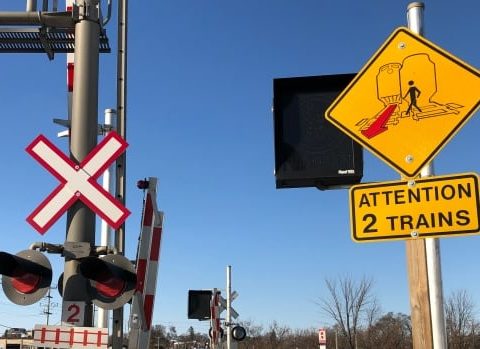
407	102
429	207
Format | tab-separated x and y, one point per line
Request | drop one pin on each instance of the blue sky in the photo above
200	78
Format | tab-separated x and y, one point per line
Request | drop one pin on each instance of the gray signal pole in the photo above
83	138
120	190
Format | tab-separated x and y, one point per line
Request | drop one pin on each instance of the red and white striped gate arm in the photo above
215	318
147	263
152	270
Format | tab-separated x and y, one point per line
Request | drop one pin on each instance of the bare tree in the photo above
348	304
277	335
459	313
389	331
255	338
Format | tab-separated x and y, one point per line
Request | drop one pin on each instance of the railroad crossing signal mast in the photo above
80	31
83	138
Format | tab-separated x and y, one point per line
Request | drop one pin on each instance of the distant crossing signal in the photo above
199	304
239	333
112	280
26	276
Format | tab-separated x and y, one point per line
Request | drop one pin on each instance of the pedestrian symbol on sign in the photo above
402	98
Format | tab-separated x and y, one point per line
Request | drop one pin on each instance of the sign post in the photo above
423	258
407	102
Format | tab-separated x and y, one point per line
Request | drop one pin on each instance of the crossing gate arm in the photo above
148	257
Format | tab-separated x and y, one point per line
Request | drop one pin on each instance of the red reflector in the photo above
111	287
70	70
27	283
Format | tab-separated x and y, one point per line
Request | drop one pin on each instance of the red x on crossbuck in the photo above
77	182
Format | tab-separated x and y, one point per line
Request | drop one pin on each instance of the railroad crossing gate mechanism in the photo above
407	102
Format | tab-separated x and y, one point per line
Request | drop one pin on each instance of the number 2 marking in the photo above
372	220
76	310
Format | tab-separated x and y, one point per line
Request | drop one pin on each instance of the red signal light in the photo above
143	184
26	283
26	276
112	280
110	286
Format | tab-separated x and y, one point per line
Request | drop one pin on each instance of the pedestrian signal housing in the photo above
112	280
26	276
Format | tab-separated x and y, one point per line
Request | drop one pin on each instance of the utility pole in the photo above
423	258
48	307
83	138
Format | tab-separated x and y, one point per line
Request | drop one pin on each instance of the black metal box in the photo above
309	150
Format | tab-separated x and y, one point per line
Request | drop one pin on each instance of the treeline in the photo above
273	337
389	331
358	322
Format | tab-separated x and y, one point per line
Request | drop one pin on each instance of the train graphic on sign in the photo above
406	93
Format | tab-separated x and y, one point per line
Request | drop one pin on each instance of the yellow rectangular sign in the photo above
428	207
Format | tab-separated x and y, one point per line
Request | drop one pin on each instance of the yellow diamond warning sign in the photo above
429	207
408	101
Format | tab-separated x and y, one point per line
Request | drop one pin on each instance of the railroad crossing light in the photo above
112	280
239	333
199	304
221	333
26	276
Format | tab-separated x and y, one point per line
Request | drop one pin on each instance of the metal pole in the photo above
432	249
36	18
229	306
83	138
117	326
415	12
31	5
121	111
49	297
106	232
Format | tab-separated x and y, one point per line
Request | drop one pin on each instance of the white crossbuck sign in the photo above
78	182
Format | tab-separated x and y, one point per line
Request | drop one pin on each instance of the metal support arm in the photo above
49	19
